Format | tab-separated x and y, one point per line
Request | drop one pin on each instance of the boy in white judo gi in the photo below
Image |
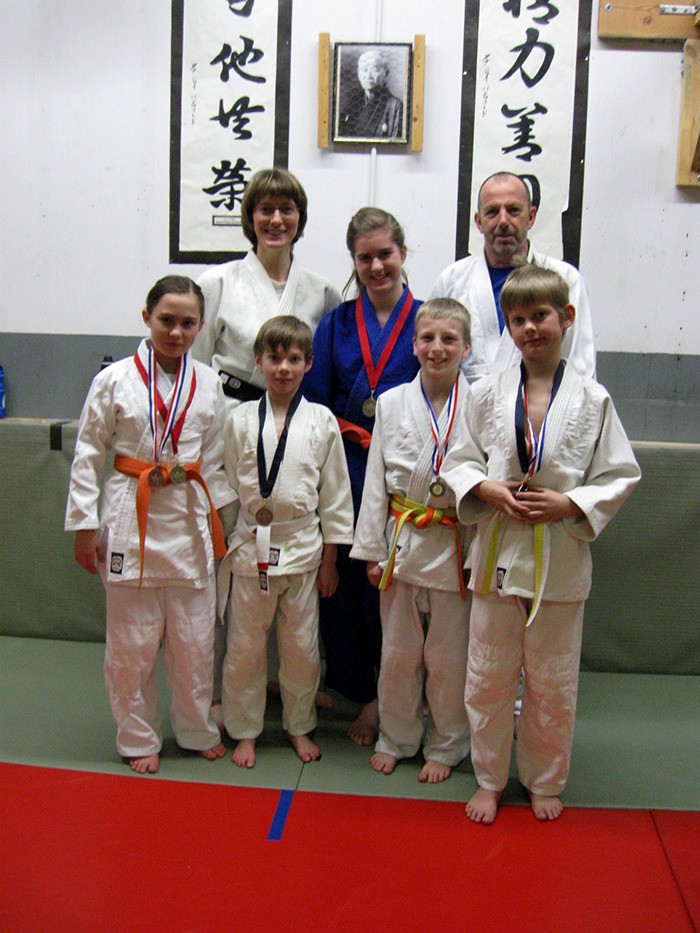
162	414
543	466
407	531
285	461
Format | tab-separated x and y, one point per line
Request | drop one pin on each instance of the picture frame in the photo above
372	92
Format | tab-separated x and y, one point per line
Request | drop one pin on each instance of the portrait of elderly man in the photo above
367	109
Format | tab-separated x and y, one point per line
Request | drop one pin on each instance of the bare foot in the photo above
546	808
146	764
218	716
364	730
211	754
383	762
483	805
305	748
324	700
244	754
433	772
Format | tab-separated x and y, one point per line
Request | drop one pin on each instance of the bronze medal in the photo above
155	478
263	516
369	407
177	474
437	488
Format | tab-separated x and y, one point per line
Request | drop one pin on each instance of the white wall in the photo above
85	109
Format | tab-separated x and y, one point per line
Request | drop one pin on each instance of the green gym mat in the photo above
637	742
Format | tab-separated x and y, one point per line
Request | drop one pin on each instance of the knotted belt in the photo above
486	566
422	516
139	469
353	432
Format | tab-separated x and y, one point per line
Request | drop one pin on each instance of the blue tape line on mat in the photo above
280	818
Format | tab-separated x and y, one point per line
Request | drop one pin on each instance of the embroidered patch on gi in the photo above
500	577
275	556
262	577
116	562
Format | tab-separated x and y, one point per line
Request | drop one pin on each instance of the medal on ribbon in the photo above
172	423
529	444
441	443
374	372
266	481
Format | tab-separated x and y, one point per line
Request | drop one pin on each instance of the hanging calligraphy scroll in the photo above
229	117
524	111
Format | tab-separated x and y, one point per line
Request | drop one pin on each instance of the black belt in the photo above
236	388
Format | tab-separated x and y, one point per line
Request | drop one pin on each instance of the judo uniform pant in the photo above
181	619
425	636
293	605
549	650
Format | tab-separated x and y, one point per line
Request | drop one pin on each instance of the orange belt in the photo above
422	516
141	470
353	432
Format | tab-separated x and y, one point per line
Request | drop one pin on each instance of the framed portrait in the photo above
371	92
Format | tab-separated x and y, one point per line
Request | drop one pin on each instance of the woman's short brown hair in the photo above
272	183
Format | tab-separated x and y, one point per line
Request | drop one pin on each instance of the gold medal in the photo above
155	478
263	516
369	407
177	474
437	488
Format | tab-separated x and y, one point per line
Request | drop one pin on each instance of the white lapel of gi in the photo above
422	473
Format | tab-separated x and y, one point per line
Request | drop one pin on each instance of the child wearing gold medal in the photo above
542	467
285	461
155	533
408	533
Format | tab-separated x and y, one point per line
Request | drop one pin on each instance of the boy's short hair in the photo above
530	285
272	183
439	309
284	331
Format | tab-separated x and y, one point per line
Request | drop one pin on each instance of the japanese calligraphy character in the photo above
238	60
245	7
535	190
523	131
531	43
237	114
513	7
229	183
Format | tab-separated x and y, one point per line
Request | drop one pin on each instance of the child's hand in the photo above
546	505
374	572
327	579
501	496
88	549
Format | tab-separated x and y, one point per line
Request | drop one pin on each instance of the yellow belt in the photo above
422	516
540	546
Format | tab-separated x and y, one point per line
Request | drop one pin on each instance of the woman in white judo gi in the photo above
239	296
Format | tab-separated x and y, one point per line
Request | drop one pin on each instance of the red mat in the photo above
88	852
680	837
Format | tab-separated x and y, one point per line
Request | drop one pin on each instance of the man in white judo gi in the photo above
505	214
